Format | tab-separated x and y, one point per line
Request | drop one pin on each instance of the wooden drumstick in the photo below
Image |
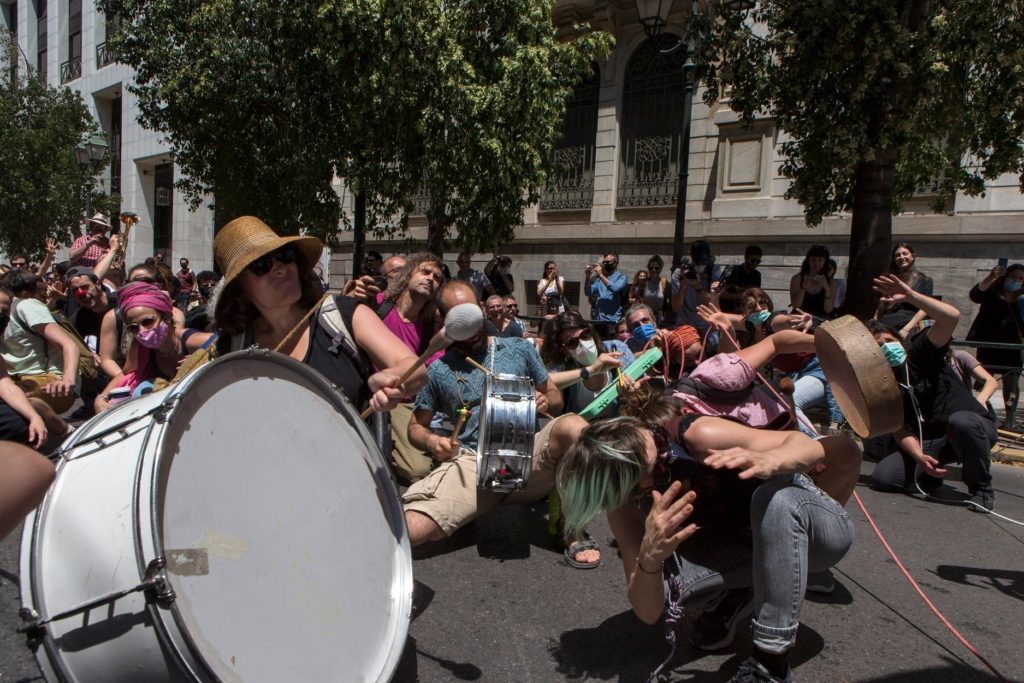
462	322
478	366
459	424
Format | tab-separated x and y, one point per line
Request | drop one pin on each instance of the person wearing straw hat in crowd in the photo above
270	297
88	249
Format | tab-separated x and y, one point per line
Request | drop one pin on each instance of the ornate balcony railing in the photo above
70	70
571	187
103	55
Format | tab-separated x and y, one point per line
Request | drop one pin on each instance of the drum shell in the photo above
508	426
80	545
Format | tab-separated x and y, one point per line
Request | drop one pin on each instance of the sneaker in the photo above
752	671
821	583
717	628
982	501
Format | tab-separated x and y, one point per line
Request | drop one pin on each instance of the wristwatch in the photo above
584	373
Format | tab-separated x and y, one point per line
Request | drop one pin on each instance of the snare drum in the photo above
508	424
238	526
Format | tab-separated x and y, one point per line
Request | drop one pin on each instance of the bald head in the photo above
453	293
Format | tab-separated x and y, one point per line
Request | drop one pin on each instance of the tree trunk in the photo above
358	233
870	232
437	225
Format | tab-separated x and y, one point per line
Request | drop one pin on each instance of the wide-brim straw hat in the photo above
247	238
860	378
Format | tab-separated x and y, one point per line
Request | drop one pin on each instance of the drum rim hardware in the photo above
156	585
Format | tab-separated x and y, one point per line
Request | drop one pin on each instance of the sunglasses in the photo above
654	267
19	265
513	307
573	342
284	255
144	324
755	261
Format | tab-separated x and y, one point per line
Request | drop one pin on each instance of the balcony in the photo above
104	55
70	70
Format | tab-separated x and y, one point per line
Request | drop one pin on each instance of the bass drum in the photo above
238	526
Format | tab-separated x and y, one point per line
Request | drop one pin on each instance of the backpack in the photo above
87	369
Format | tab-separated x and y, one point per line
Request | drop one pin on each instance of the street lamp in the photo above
89	153
653	16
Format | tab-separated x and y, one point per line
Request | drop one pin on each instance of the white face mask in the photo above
586	352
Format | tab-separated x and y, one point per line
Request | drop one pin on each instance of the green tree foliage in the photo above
877	99
263	103
44	191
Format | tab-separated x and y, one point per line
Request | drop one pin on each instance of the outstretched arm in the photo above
894	290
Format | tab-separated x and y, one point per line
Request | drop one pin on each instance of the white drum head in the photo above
283	533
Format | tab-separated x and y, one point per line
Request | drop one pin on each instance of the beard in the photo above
469	346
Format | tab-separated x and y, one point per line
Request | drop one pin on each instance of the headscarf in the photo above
144	294
131	296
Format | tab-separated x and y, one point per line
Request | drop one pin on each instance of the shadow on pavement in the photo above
953	672
1007	581
620	647
840	596
407	666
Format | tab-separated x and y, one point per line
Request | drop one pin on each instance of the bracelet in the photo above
584	373
641	566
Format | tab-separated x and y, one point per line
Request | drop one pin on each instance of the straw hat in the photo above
245	239
99	219
860	378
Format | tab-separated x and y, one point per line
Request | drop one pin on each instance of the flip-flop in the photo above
575	548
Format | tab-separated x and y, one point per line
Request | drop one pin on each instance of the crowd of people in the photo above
708	477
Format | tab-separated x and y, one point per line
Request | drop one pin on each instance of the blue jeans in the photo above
797	528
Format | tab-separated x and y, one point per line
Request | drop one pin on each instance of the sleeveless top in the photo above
814	303
654	295
328	356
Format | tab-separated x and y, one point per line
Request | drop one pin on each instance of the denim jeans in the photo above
797	528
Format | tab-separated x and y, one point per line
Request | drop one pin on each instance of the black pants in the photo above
970	438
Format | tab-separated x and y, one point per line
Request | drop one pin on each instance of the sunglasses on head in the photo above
144	324
262	265
573	342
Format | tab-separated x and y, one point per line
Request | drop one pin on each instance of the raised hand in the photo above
665	527
892	289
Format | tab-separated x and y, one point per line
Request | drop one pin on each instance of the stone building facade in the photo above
620	155
65	41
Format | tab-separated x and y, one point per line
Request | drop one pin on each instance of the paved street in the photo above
496	603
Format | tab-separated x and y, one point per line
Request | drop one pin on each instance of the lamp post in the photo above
90	153
653	16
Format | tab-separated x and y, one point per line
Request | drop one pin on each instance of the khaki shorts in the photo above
410	463
449	495
33	385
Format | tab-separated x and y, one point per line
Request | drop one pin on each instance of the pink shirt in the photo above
410	333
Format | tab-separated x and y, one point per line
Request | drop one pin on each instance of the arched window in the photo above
571	185
652	122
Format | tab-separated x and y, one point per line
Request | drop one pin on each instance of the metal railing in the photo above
104	55
70	70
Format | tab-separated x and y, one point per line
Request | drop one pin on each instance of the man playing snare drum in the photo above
448	497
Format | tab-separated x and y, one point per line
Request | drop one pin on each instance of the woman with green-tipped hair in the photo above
715	516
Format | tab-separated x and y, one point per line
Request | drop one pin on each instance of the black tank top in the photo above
814	303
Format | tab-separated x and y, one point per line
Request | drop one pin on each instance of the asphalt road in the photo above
497	603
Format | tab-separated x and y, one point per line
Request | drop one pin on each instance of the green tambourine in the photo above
637	369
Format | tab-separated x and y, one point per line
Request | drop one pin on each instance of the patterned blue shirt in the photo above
451	380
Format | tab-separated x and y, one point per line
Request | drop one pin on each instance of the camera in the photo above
381	282
503	261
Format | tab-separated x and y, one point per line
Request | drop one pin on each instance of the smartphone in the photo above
1003	262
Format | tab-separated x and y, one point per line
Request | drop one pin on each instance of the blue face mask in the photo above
644	332
759	317
895	354
1011	286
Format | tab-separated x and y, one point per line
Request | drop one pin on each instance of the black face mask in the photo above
206	291
4	319
609	266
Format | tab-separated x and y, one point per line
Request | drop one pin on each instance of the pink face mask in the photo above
153	338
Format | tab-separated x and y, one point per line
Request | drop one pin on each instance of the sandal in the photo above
575	548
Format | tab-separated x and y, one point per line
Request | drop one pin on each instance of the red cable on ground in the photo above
920	592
